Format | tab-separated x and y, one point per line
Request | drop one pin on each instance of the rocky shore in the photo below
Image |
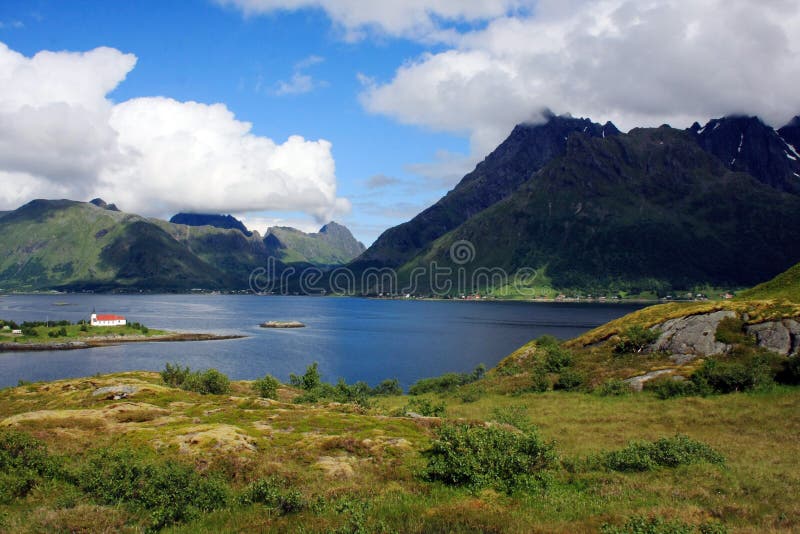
104	341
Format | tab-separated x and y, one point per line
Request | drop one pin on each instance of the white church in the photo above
105	319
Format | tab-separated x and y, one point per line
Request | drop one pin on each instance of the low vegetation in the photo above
33	332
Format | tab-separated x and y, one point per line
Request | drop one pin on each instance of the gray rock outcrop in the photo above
782	336
688	337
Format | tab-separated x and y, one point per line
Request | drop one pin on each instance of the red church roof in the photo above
109	317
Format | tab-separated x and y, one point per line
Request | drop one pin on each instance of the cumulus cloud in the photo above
301	82
61	136
642	62
428	19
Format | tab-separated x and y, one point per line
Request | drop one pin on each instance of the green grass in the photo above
75	333
338	466
785	286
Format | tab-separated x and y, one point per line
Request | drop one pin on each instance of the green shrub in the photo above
539	382
388	387
666	452
635	339
790	371
667	387
171	492
266	387
206	382
174	375
731	330
446	382
569	380
480	456
426	408
557	358
310	379
728	377
613	387
658	525
272	493
20	451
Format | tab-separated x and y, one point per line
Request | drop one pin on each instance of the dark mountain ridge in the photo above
526	150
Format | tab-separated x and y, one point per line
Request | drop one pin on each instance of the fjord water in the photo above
352	338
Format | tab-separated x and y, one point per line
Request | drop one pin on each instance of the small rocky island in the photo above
282	324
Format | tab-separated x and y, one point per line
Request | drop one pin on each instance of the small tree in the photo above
266	387
310	380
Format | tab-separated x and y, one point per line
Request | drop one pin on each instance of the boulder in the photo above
689	337
782	337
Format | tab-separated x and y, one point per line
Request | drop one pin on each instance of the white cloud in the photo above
632	62
300	81
61	136
428	19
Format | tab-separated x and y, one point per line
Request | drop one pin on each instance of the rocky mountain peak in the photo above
746	144
228	222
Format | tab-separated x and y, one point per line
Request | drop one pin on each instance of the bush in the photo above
479	456
174	375
310	380
790	371
666	452
20	451
446	382
206	382
557	359
266	387
635	339
426	408
209	382
539	382
613	387
730	331
728	377
388	387
272	493
667	387
515	415
569	380
171	492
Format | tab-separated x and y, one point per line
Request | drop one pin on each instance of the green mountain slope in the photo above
649	210
77	245
785	286
332	245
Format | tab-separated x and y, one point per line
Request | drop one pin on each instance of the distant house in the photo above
17	332
105	319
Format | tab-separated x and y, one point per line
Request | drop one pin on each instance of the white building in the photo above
105	319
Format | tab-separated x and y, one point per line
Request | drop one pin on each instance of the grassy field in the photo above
353	469
76	332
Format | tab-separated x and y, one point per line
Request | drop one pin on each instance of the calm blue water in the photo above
356	339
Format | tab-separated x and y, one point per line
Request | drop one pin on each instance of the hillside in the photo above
77	245
593	210
527	149
332	245
225	222
645	211
785	286
64	244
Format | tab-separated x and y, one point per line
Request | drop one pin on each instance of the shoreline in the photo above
111	341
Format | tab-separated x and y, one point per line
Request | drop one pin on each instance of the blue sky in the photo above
203	52
403	98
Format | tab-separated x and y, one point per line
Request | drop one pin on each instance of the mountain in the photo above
654	209
332	245
64	244
527	149
205	219
77	245
746	144
791	134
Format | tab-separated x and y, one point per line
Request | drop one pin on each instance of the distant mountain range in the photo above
64	244
583	206
591	209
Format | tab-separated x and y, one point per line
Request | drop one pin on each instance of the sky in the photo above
297	112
